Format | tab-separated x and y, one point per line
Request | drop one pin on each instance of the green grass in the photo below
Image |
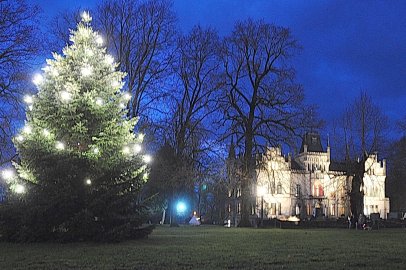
209	247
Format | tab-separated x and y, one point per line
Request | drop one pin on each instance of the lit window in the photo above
279	188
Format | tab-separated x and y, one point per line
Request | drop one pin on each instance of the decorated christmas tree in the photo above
80	167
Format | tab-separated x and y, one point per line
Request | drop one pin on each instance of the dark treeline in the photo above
196	93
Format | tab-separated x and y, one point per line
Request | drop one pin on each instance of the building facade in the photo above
307	185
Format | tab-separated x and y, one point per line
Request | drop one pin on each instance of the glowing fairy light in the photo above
86	16
99	40
96	150
20	138
86	71
30	107
28	99
122	106
65	96
19	189
137	148
127	96
38	79
99	101
46	132
109	59
60	146
115	84
7	174
88	181
89	52
141	137
147	158
126	150
27	129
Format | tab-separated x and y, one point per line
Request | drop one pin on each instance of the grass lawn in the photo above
209	247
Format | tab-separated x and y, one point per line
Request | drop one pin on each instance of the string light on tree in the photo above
86	71
28	99
88	181
86	17
121	105
8	174
137	148
38	79
96	150
59	145
127	96
46	132
99	40
99	101
27	129
109	59
20	138
126	150
65	96
19	189
147	158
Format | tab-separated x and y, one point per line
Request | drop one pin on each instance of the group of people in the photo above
359	223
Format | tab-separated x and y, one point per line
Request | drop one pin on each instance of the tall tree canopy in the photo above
262	104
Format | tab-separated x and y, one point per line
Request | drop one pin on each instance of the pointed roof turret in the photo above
312	141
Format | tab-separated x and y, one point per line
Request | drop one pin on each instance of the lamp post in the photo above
261	190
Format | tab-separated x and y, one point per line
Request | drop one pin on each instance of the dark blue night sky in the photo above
348	46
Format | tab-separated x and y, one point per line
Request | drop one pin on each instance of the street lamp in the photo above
261	191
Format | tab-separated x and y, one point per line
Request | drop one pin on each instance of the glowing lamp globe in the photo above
181	208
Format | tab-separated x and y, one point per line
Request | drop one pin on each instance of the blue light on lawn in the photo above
181	208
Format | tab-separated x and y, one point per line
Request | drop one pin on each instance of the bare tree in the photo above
19	38
363	126
140	34
261	103
193	100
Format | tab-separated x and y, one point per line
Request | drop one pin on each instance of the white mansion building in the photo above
308	184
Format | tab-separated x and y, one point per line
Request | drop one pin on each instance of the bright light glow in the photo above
86	16
60	145
89	52
99	40
88	181
137	148
19	189
141	136
181	208
7	174
261	190
147	158
115	84
20	138
99	101
86	71
38	79
54	72
96	150
27	129
127	96
126	150
46	132
30	107
122	106
66	96
109	59
28	99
